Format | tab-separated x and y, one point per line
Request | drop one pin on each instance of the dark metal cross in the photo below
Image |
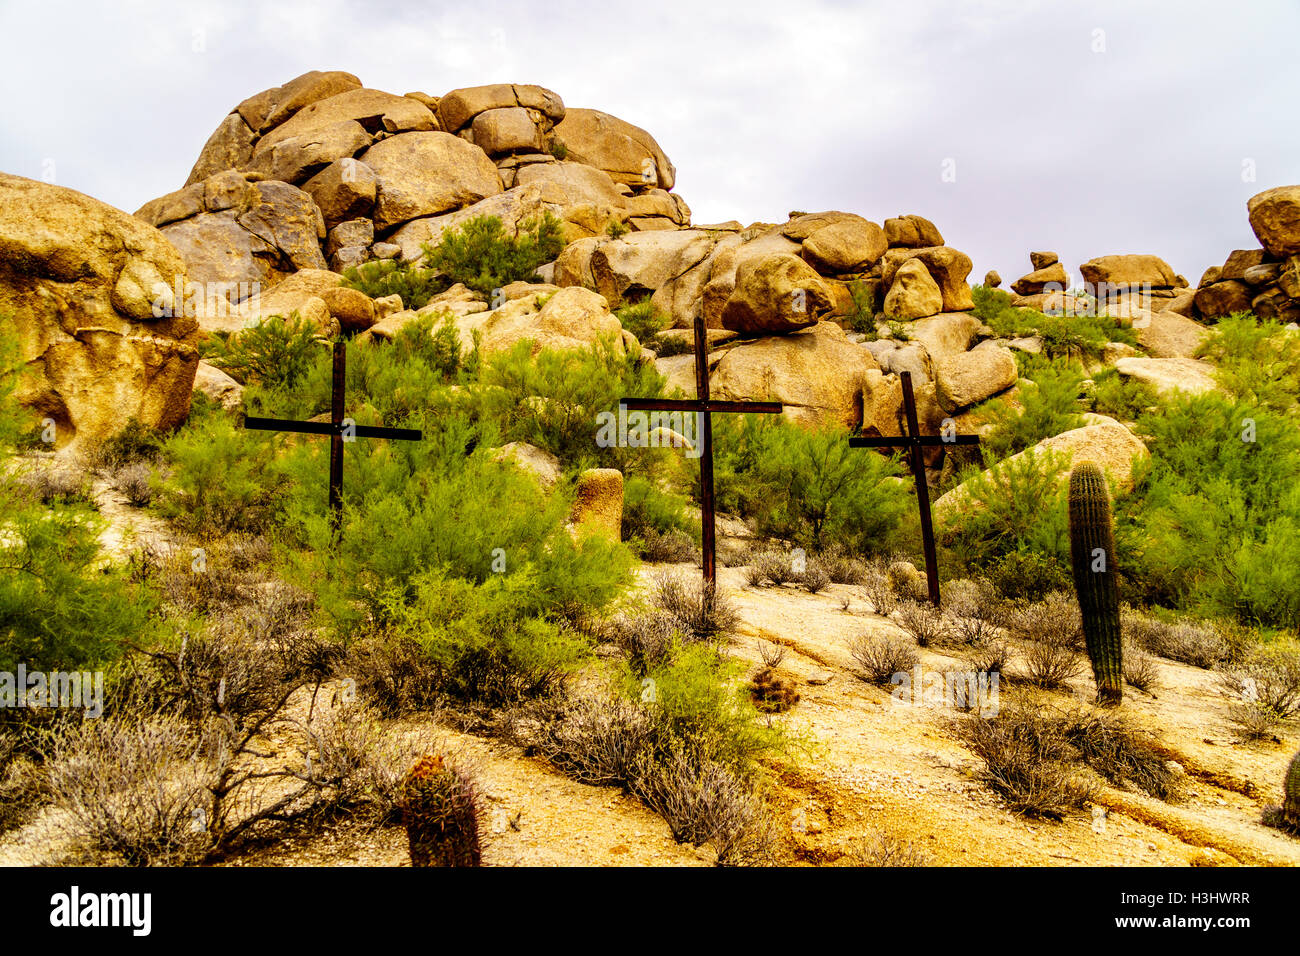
703	407
914	441
339	429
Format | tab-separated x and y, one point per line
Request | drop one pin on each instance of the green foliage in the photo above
646	508
1050	406
489	643
135	442
385	277
413	506
558	148
806	484
827	492
484	257
699	707
224	478
1092	556
275	353
642	319
1258	362
616	229
1122	398
1220	508
1062	335
553	400
863	318
1017	507
60	609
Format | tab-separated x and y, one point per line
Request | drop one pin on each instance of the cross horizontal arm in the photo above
327	428
899	441
695	405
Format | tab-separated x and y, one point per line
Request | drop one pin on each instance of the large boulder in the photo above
1275	218
297	159
947	266
963	379
1109	444
374	110
642	263
513	207
731	252
1167	375
1170	335
1223	298
572	318
423	174
343	190
1052	274
1126	271
460	108
776	294
628	153
817	373
850	245
945	335
911	232
238	237
270	108
914	294
90	292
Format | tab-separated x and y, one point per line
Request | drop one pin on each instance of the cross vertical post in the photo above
339	429
338	385
703	406
915	442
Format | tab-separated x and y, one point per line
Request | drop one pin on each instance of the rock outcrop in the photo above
92	294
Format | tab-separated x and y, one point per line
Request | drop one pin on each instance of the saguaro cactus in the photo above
1092	553
1291	796
440	810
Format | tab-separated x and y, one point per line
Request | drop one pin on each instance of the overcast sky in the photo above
1082	127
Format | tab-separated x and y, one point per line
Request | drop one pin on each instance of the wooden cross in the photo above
703	407
914	441
339	429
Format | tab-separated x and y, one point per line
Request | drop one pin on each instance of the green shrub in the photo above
485	642
386	277
1219	510
863	318
275	353
642	319
414	506
484	257
1016	508
1258	362
135	442
616	229
647	509
1063	335
223	479
60	609
1123	398
558	148
825	492
553	400
1050	405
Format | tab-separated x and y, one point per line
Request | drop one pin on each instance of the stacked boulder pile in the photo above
1265	281
324	173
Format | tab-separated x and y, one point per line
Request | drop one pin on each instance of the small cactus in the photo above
1291	796
440	809
1092	554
